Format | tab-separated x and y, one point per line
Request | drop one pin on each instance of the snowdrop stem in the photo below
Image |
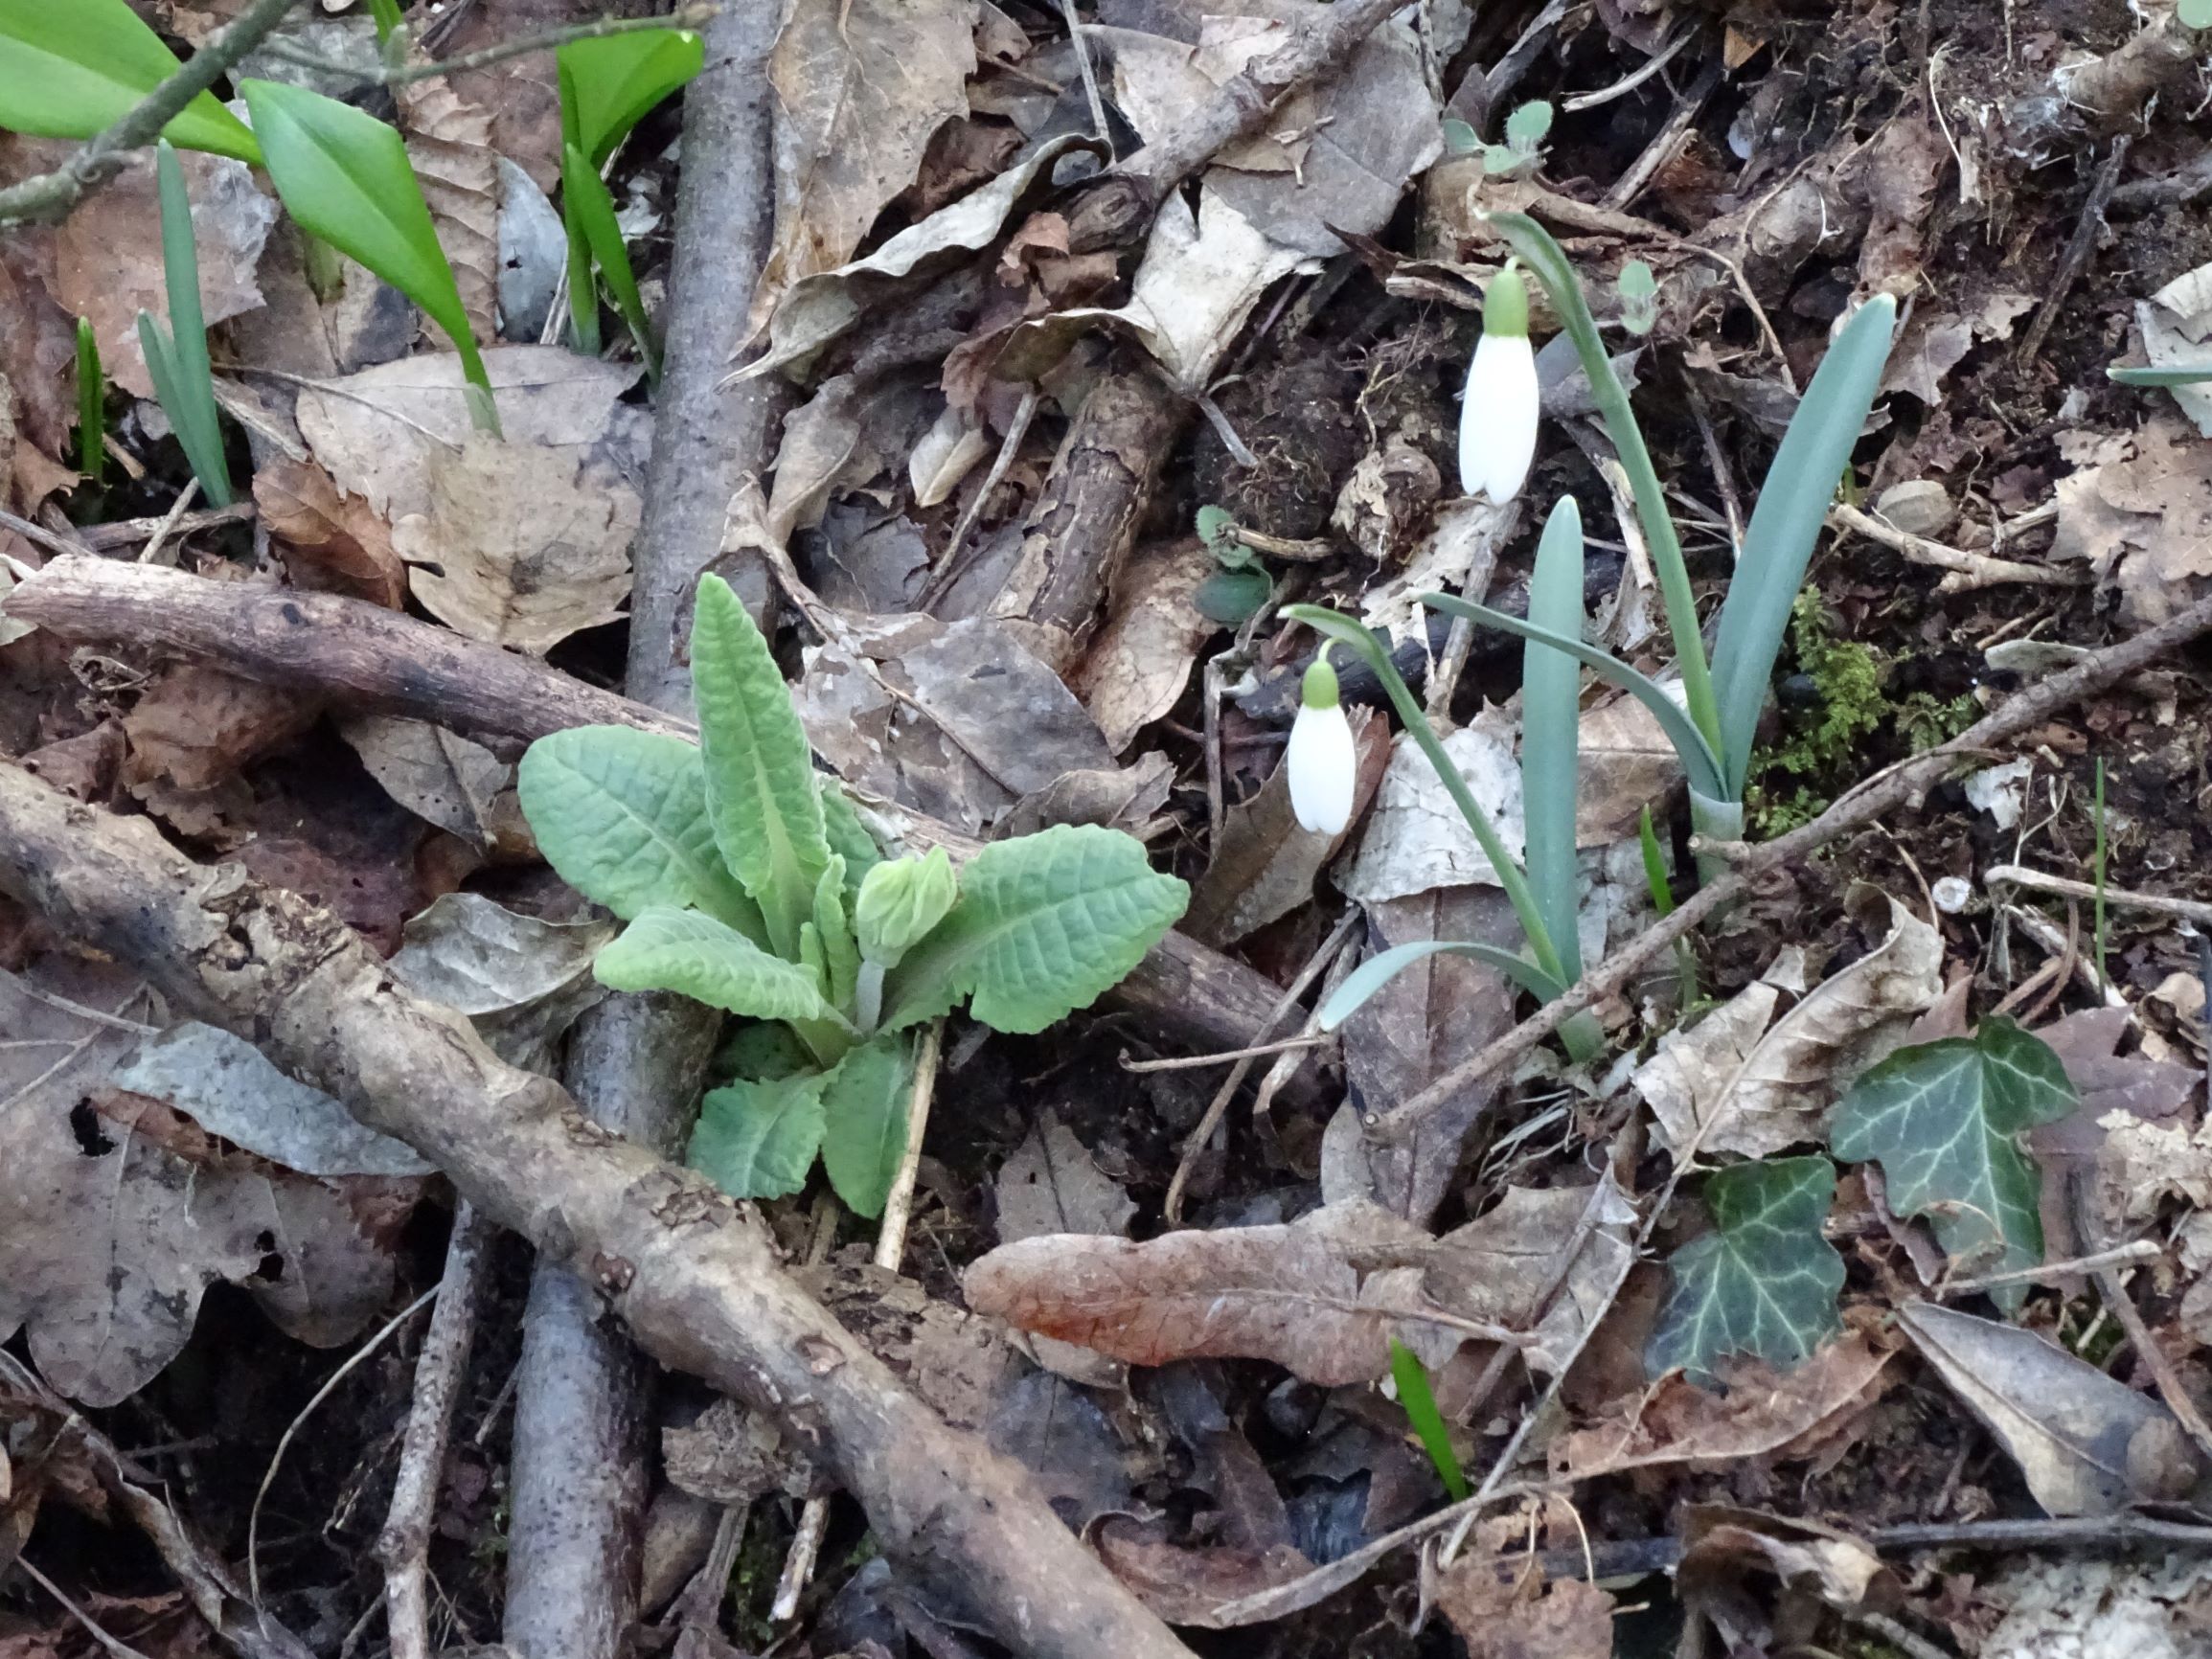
1543	256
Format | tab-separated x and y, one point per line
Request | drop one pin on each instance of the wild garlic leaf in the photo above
759	1140
1943	1119
73	68
864	1123
762	796
697	956
1764	1281
608	82
1043	925
622	817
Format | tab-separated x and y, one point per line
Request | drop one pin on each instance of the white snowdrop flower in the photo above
1324	765
1498	418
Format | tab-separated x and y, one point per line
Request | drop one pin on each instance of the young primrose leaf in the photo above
73	68
622	817
697	956
759	1140
1943	1119
864	1123
1764	1281
1045	923
345	177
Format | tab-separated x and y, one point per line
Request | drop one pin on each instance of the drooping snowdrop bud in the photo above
1323	763
1498	418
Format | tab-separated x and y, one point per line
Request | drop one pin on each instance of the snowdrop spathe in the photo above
1498	418
1323	760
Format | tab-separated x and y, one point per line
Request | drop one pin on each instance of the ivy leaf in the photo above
864	1123
74	69
622	817
759	1140
697	956
1764	1281
1943	1119
762	797
1043	925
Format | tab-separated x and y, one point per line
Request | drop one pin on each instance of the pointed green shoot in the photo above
1420	1403
1549	261
1551	687
609	82
591	213
2171	375
1698	760
1360	985
345	177
91	405
176	359
386	15
1793	507
74	68
1348	632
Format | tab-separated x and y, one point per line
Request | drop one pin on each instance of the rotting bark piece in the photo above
693	1276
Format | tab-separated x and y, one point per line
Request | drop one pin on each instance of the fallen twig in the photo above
1967	570
2192	910
693	1274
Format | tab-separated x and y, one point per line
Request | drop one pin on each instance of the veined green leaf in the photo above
583	195
2171	375
759	1140
761	795
345	177
609	82
1420	1403
900	901
848	837
1764	1281
1356	638
74	68
1551	686
840	956
1045	923
1785	524
184	383
697	956
1696	755
864	1123
622	817
1362	983
1943	1119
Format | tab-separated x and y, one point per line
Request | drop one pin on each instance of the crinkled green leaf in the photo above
697	956
609	82
1045	923
622	817
1764	1281
840	956
345	177
900	901
864	1123
761	795
759	1140
1943	1119
848	837
73	68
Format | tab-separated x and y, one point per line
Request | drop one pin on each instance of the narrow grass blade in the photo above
1698	756
1654	865
586	195
386	15
1793	507
1551	687
584	334
91	406
1549	261
1349	633
1379	970
192	380
1420	1403
2171	375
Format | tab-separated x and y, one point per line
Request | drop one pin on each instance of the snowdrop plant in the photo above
750	884
1543	894
1497	416
1713	727
1323	761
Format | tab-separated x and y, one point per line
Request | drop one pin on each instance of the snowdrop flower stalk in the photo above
1498	418
1324	763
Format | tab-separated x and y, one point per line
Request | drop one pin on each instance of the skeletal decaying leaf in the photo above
2138	510
1415	838
521	981
2087	1443
330	541
450	141
1519	1617
1741	1080
461	786
1050	1184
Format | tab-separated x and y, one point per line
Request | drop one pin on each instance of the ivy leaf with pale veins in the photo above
759	1140
1943	1119
1764	1281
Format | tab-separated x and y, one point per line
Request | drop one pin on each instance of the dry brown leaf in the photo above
522	91
1524	1618
2087	1443
336	542
1050	1184
1742	1081
861	86
1322	1296
1184	1585
1730	1553
107	262
459	785
1764	1413
526	551
1933	343
450	141
196	725
37	337
1900	170
2140	512
1501	1266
